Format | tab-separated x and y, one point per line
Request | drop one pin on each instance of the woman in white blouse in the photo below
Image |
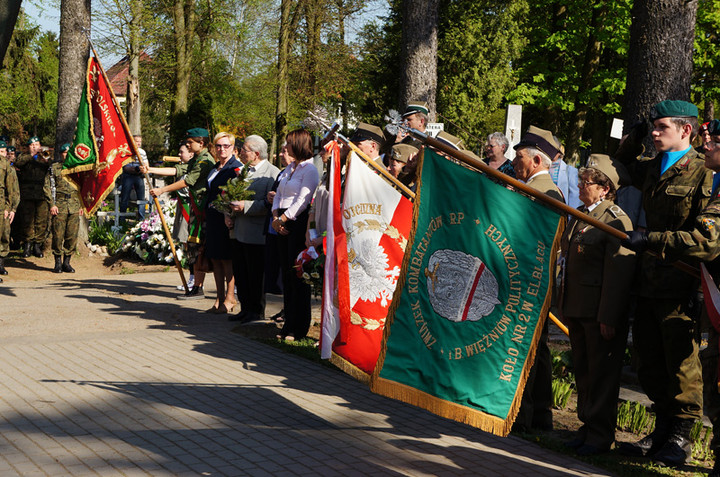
290	218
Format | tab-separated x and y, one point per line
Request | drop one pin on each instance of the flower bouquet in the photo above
309	266
147	239
234	191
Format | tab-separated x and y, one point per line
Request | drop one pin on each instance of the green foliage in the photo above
562	365
701	438
561	392
634	417
706	55
103	235
479	41
29	84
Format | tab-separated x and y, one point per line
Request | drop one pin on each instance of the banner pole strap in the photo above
168	235
557	204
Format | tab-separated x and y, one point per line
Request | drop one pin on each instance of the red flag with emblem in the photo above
376	222
102	142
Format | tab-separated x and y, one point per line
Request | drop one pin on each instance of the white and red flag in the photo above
375	221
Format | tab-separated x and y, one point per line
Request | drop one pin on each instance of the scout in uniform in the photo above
65	211
34	206
675	189
9	200
702	242
198	169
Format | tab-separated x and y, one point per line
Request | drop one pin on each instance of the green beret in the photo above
416	107
32	140
673	109
197	132
11	148
3	143
65	147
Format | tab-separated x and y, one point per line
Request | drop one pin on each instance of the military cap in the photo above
3	143
197	132
402	152
65	147
714	127
32	140
472	154
673	109
539	139
11	148
416	107
606	165
450	140
366	131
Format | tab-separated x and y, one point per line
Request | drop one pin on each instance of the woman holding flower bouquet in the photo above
218	247
290	218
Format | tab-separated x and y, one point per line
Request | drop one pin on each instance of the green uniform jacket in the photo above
9	187
197	173
672	201
66	196
597	272
32	177
544	183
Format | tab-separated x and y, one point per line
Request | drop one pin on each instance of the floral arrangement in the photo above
309	266
234	191
147	239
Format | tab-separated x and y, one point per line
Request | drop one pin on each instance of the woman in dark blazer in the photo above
218	248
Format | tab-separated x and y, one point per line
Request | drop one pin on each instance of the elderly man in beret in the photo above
676	188
34	207
531	164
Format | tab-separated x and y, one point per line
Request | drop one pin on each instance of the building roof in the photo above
118	73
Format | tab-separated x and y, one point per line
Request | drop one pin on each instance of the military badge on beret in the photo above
709	224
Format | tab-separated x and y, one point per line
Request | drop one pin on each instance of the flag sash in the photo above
473	244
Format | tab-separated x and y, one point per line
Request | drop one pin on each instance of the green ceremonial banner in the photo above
475	286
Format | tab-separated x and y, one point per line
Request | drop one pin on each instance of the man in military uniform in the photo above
9	200
675	188
65	211
531	164
702	242
34	206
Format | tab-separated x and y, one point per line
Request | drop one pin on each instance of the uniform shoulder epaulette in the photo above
616	211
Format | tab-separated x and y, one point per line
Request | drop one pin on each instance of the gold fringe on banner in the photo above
450	410
350	369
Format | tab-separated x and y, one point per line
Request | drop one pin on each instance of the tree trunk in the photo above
590	67
418	80
9	11
288	24
74	17
709	110
133	84
314	19
184	22
660	56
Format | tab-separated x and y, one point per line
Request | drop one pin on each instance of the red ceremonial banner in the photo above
101	145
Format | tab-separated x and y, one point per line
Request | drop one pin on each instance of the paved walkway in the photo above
114	376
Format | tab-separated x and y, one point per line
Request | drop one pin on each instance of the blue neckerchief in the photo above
670	158
716	183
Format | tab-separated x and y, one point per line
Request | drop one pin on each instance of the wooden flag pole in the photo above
557	204
168	235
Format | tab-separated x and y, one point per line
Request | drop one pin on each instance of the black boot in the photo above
58	264
37	250
26	249
676	451
2	266
66	265
651	443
